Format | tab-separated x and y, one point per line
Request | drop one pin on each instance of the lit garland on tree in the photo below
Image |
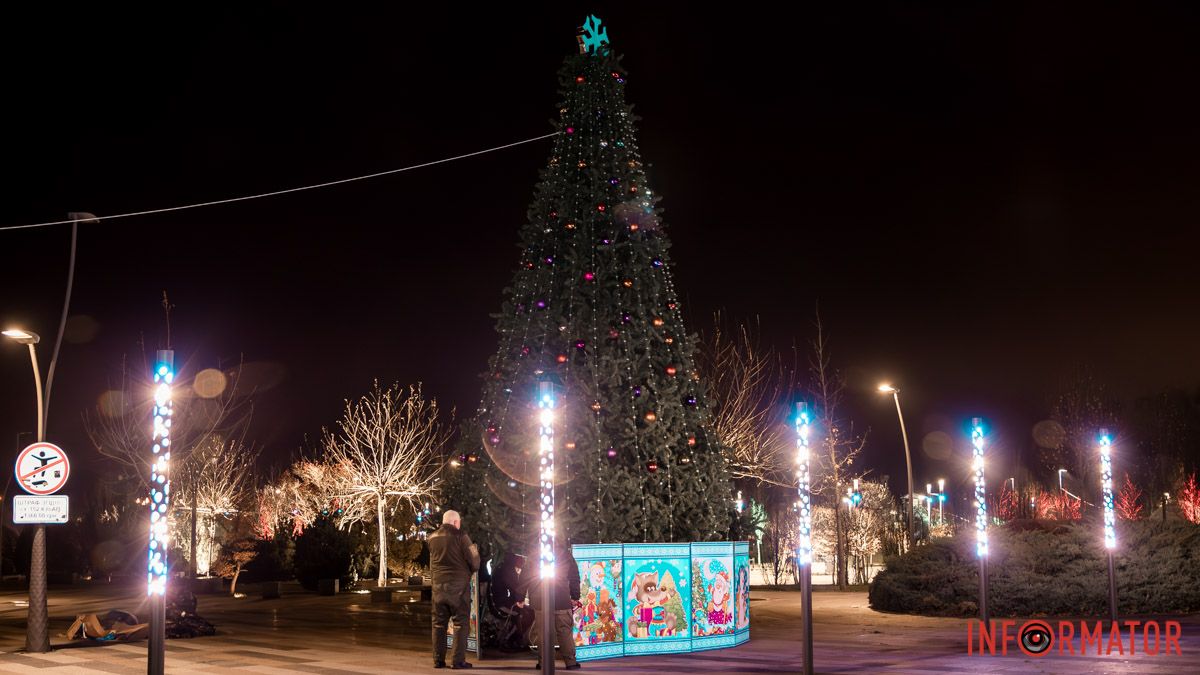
593	303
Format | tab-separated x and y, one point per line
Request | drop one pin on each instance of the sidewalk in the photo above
306	633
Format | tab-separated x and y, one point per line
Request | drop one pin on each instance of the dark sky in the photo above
980	197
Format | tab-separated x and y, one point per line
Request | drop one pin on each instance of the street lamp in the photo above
37	633
889	389
981	537
157	567
941	501
1110	533
545	403
805	552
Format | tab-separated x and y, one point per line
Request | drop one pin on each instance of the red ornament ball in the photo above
588	276
562	358
650	416
652	466
691	441
627	283
579	79
600	208
671	371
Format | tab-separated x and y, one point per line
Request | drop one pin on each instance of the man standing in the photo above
452	561
565	598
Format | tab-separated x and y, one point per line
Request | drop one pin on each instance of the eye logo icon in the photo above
1036	638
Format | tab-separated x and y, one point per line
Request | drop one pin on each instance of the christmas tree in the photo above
593	306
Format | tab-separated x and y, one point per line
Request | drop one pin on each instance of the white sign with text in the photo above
28	510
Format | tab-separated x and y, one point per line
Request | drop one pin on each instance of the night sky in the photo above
981	198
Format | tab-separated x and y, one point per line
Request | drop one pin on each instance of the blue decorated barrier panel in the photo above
661	598
741	571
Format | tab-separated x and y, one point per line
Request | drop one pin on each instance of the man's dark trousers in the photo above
451	600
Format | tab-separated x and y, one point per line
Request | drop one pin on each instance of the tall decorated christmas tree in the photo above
592	306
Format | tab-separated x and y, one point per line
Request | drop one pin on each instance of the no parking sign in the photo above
42	469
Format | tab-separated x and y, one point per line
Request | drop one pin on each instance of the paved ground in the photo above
305	633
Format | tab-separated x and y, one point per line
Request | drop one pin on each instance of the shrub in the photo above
274	561
1041	568
324	552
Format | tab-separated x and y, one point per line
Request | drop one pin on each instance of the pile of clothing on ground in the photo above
182	622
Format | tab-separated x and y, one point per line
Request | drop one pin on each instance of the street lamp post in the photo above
981	538
941	501
546	549
805	552
889	389
1110	533
157	566
37	634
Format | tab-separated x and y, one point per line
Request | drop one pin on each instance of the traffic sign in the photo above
42	469
30	510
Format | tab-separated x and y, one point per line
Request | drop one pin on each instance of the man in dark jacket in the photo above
452	561
509	599
565	599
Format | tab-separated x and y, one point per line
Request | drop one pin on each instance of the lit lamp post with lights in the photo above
981	537
889	389
1110	533
941	501
37	634
547	391
157	568
804	554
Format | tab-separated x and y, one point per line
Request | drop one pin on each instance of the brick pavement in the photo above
306	633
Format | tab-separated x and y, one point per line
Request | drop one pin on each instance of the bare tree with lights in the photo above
384	449
838	446
867	526
119	427
214	485
748	390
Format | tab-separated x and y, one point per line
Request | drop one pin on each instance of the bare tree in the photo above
119	426
867	526
748	388
1082	409
214	484
385	448
835	452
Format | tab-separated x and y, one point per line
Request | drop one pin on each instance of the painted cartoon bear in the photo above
649	617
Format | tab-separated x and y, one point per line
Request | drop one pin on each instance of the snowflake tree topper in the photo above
593	38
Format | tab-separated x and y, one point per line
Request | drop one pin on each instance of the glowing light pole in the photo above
157	568
1110	533
941	501
981	538
889	389
546	403
804	554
